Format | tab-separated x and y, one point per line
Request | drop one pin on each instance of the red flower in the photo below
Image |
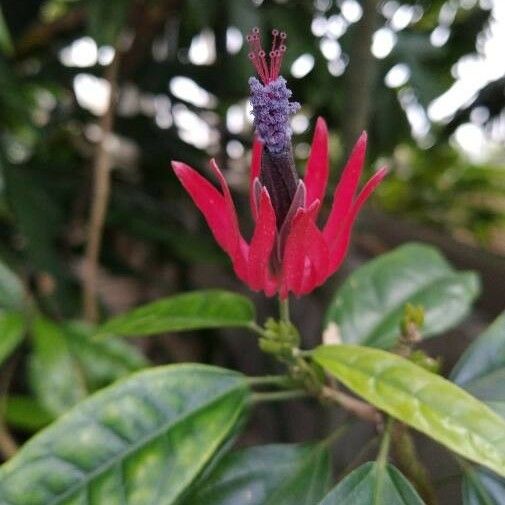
299	256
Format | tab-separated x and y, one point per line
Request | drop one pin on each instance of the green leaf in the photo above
371	484
189	311
368	308
143	440
11	289
268	475
12	332
481	487
25	413
101	361
481	369
54	376
423	400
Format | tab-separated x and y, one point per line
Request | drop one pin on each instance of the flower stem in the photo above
284	310
382	458
276	396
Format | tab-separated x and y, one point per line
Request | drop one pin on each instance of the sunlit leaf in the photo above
421	399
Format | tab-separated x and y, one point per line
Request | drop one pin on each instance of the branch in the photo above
101	192
360	409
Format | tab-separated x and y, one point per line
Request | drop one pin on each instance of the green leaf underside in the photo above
481	369
55	380
189	311
360	488
425	401
268	475
143	440
369	306
102	361
12	331
481	487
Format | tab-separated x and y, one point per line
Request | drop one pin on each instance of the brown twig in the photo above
101	191
360	409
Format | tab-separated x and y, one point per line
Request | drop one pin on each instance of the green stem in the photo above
279	396
254	326
382	458
284	309
277	380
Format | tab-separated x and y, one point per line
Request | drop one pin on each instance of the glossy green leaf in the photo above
143	440
421	399
371	484
26	414
11	289
189	311
369	306
55	379
481	369
12	331
101	361
268	475
481	487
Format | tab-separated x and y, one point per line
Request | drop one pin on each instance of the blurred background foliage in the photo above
425	78
430	93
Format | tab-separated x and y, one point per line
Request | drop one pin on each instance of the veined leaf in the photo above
12	331
369	306
423	400
481	369
142	440
189	311
268	475
371	484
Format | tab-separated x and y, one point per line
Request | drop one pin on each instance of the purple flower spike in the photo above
272	111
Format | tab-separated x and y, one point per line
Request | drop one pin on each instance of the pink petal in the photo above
346	188
257	152
306	258
217	210
338	248
262	244
316	176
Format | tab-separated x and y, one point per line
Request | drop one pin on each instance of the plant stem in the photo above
102	165
383	455
359	408
278	380
254	326
276	396
284	310
410	464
